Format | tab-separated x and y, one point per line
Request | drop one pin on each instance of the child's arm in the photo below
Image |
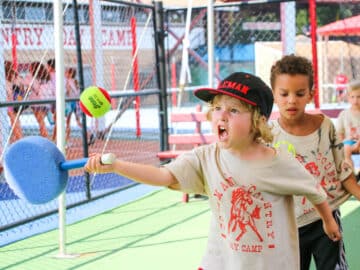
340	126
351	186
341	136
141	173
330	226
356	147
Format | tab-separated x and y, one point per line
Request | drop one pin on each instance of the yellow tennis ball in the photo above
95	101
290	146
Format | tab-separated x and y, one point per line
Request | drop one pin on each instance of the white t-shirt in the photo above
254	225
322	154
348	124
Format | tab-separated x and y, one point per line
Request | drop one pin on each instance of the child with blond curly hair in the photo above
250	184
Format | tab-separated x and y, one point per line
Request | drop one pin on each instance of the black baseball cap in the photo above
244	86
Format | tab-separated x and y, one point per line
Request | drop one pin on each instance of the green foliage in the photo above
302	21
325	14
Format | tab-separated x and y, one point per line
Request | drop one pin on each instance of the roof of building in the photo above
348	26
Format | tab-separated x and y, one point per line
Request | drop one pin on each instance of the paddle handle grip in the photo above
108	158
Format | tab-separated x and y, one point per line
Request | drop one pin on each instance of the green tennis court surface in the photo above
155	232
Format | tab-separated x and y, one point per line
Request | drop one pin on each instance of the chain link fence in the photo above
116	52
250	37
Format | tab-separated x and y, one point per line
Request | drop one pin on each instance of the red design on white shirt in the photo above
240	218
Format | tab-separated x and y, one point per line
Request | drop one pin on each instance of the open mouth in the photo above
222	132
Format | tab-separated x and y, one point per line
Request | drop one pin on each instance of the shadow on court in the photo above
150	233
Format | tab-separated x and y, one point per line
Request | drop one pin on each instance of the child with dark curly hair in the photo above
313	140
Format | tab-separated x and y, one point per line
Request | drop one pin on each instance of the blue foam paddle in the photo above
36	170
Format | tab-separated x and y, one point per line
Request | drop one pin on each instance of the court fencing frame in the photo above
123	140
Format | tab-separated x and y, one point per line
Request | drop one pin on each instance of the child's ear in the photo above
311	95
263	119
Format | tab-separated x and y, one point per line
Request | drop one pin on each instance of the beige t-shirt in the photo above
322	154
348	124
254	225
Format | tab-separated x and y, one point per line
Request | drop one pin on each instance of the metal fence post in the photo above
81	85
161	69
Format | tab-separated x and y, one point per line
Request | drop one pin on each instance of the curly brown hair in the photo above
292	64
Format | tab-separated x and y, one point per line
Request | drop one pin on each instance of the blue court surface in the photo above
75	192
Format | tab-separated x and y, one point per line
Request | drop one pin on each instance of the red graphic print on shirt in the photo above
240	217
324	172
312	168
248	214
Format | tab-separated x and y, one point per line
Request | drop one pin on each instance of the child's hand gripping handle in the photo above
107	159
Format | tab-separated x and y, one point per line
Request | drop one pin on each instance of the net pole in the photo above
60	112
